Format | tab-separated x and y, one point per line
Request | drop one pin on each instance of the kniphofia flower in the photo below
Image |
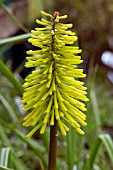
52	90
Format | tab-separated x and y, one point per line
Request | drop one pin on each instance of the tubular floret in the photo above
46	14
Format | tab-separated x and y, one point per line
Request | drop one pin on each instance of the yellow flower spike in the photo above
53	92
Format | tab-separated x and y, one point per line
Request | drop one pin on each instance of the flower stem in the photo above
53	146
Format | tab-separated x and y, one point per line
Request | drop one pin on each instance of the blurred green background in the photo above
93	23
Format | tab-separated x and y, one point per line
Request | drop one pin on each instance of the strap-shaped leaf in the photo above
5	158
108	143
15	39
106	140
11	77
8	107
3	168
71	148
31	143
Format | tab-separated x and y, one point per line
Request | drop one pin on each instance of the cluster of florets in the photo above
52	90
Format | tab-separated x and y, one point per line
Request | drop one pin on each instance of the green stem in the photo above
53	129
53	146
